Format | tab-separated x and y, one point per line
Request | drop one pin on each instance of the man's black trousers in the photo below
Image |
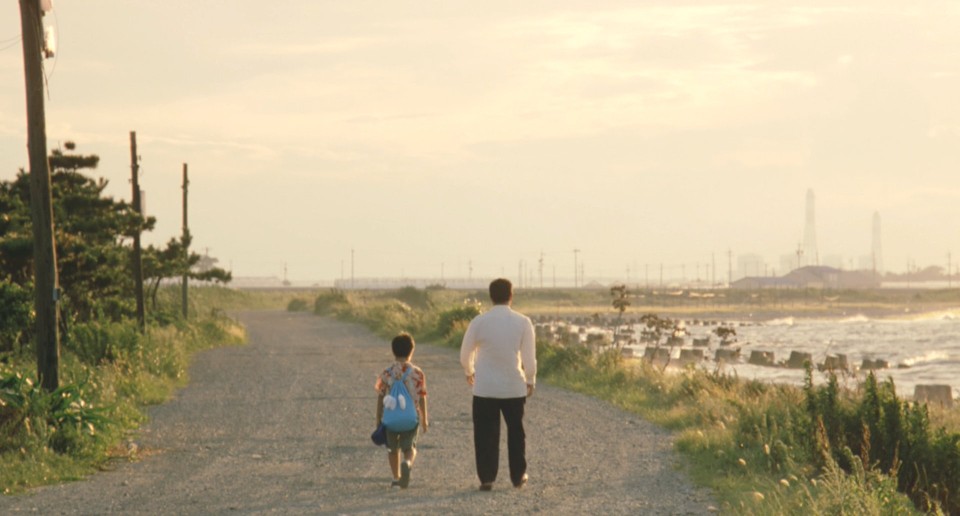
486	437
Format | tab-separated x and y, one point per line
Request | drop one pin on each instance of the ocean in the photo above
924	349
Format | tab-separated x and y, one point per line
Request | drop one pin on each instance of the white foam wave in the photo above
929	356
943	315
859	318
783	321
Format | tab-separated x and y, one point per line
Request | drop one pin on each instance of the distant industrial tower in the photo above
811	255
877	253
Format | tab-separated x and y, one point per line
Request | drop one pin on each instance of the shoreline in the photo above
754	314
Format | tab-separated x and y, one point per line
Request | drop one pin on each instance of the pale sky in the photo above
436	134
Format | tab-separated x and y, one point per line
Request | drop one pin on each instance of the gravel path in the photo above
282	425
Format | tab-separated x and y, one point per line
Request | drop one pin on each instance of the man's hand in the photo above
530	389
424	426
470	379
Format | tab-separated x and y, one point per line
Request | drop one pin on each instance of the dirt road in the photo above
282	426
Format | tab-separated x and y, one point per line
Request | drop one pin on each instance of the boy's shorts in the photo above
405	441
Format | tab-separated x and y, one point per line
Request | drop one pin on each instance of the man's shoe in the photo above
486	486
404	474
522	482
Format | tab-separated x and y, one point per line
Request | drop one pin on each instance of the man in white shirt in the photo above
498	355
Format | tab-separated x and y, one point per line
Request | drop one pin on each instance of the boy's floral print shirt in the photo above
416	381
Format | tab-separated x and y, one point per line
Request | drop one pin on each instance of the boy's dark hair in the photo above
501	291
402	345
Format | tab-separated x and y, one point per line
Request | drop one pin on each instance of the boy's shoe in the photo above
486	486
394	483
522	482
404	474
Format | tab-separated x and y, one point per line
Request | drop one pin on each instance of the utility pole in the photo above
541	269
729	267
47	287
576	269
186	243
352	277
949	266
137	252
713	269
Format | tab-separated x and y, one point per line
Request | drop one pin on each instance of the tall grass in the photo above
109	372
764	448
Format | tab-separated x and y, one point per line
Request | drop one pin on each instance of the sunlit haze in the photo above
463	138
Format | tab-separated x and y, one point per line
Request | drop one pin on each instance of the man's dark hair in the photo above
402	345
501	291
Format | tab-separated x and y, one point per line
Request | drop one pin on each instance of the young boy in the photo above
416	384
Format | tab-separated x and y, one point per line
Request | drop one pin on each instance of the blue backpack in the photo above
399	410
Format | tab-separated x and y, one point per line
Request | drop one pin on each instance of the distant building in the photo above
814	276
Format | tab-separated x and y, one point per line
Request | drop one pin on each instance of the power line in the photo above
8	44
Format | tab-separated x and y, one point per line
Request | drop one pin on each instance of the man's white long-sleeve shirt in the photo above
499	348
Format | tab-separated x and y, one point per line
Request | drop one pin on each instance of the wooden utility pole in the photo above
186	242
41	202
137	252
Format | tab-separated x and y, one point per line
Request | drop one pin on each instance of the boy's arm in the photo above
379	408
424	420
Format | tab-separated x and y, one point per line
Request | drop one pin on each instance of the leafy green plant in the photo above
330	302
414	297
16	316
297	305
102	341
60	419
453	319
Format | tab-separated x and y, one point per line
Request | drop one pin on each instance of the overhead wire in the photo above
9	43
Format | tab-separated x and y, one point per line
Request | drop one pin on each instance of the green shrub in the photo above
414	297
297	305
455	319
61	419
102	341
887	435
16	316
329	303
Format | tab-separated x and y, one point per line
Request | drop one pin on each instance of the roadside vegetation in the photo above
838	448
109	370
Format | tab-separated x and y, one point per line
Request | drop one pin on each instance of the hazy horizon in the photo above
431	137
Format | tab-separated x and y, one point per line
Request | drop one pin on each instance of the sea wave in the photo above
938	316
929	356
859	318
783	321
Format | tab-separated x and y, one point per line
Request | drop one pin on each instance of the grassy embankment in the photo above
109	374
764	449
